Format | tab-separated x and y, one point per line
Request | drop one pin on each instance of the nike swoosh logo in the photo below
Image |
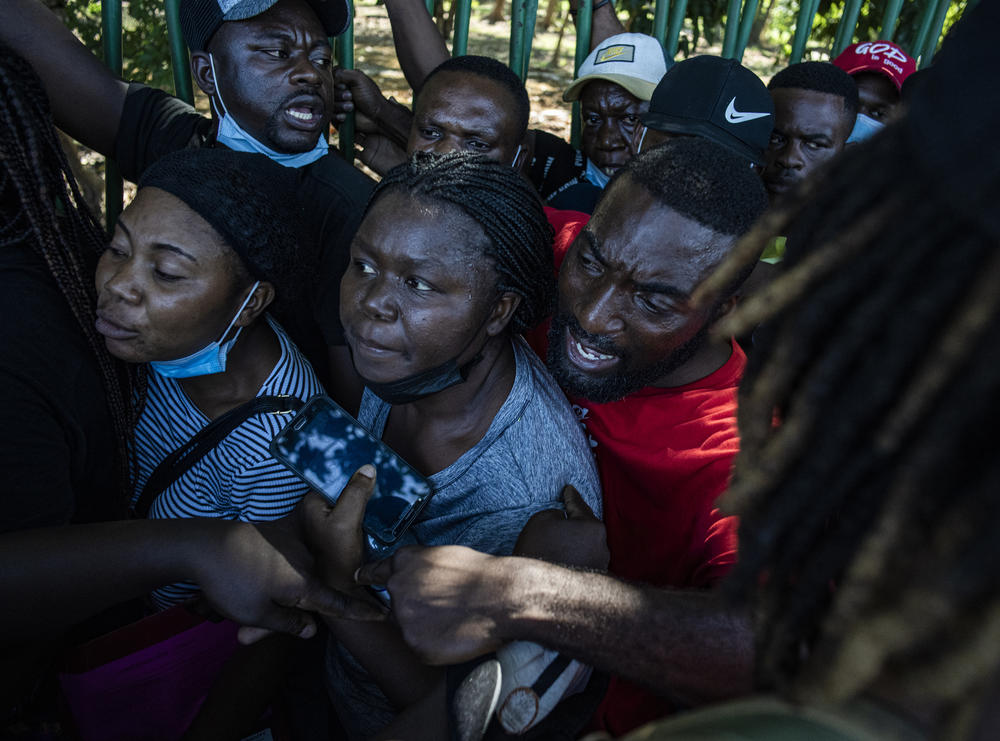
735	116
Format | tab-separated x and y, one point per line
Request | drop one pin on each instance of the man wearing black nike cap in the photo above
715	98
266	67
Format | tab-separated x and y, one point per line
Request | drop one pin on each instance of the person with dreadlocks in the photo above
67	415
451	262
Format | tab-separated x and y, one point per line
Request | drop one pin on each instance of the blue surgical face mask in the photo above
210	359
596	175
232	135
864	127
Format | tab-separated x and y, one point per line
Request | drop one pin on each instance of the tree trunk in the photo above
554	60
758	25
550	14
497	13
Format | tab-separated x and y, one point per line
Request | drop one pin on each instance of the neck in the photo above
712	355
248	365
433	432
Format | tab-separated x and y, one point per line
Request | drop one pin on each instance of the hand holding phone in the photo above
325	445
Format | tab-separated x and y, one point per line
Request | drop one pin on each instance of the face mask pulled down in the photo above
207	361
234	136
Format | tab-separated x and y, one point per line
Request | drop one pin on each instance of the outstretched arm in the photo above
419	46
257	575
86	99
605	21
454	603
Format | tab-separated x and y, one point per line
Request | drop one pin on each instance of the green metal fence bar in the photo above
926	19
889	18
848	23
460	40
430	8
111	41
803	25
746	25
927	53
660	15
732	28
584	24
518	16
179	62
677	12
344	49
530	18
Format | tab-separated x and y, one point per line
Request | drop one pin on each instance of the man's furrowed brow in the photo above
591	239
664	289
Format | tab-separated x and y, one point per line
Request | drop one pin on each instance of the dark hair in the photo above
506	207
42	208
496	71
703	181
246	198
868	542
821	77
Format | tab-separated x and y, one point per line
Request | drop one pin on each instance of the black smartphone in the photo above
325	445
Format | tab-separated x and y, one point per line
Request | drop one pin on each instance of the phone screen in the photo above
325	445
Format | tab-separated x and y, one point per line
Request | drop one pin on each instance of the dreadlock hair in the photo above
868	542
706	182
41	207
821	77
496	71
507	208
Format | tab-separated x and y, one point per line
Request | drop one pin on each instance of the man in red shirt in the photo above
629	342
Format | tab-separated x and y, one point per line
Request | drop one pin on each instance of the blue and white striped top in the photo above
238	479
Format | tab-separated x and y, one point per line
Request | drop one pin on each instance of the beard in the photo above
613	386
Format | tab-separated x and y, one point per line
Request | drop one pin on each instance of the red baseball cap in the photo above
877	56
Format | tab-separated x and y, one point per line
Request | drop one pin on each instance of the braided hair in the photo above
507	208
870	514
42	208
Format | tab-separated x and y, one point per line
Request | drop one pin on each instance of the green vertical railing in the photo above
732	29
344	50
677	11
522	33
889	18
179	61
111	41
848	23
584	24
926	52
746	25
660	16
803	25
463	14
924	28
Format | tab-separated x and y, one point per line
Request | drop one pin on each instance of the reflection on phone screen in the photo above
330	446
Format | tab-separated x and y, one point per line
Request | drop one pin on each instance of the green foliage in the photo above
781	24
145	50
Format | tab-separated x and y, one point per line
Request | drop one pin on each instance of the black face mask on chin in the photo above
430	381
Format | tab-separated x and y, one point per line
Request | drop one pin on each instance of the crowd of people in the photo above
703	404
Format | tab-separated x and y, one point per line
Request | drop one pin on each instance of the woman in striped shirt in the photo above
184	286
